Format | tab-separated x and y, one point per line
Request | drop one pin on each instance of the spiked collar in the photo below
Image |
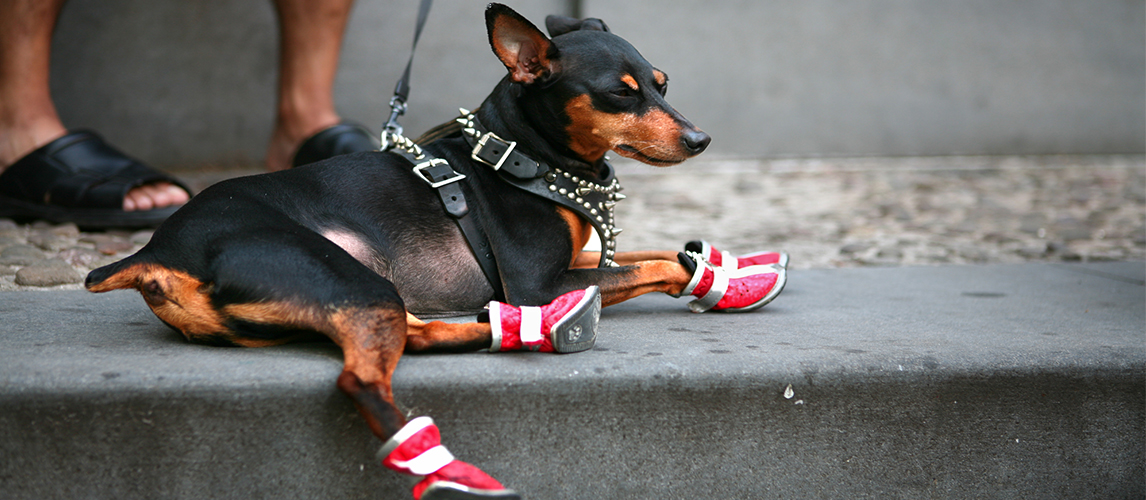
592	199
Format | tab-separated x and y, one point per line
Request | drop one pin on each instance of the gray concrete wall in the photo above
186	83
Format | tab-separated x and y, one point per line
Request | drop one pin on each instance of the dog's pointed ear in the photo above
560	25
526	52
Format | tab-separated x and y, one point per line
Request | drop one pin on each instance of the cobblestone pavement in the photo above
824	212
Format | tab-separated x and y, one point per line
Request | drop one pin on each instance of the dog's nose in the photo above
695	141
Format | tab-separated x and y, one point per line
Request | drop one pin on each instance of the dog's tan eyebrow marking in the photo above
660	77
631	82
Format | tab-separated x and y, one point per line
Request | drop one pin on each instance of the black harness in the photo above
591	199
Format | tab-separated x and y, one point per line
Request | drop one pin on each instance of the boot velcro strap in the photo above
412	427
697	274
729	261
428	462
530	325
425	462
710	299
495	325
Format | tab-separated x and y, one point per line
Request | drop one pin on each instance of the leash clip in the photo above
435	162
392	132
501	150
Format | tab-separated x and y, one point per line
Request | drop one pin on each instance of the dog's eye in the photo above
624	92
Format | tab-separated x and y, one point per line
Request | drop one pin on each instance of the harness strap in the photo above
444	180
591	199
500	154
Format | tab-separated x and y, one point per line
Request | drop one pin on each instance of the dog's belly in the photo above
435	276
357	248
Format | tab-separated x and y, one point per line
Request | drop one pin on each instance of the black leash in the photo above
437	172
391	130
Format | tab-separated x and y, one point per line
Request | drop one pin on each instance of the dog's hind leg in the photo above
362	313
440	336
283	284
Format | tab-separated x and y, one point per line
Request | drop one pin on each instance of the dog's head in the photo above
595	83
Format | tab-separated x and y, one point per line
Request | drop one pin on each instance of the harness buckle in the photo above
492	150
435	162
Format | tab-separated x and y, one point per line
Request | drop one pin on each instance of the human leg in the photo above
310	42
28	117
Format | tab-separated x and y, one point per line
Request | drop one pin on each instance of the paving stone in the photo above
890	253
854	248
108	244
20	255
82	257
48	240
49	272
1074	232
141	237
1033	252
68	230
1032	223
8	226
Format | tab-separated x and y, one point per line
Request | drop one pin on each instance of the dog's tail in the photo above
126	273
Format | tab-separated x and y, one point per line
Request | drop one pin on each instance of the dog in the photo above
488	214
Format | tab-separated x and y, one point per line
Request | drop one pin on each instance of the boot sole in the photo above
445	490
577	331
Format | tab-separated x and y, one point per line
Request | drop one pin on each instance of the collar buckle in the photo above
492	150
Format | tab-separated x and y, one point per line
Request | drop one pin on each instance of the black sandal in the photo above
343	138
82	179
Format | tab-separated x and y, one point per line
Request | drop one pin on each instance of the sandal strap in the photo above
78	170
341	138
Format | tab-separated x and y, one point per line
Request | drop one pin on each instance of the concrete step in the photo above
1010	381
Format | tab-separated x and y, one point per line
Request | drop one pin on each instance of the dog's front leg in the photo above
617	284
589	260
716	288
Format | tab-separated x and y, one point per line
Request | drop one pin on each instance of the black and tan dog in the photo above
498	206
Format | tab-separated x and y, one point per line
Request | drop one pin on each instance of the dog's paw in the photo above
730	262
568	324
731	290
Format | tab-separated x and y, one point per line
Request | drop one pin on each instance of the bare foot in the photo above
286	139
151	196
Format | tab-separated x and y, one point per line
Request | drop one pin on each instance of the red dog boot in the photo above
728	261
417	450
737	290
568	324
